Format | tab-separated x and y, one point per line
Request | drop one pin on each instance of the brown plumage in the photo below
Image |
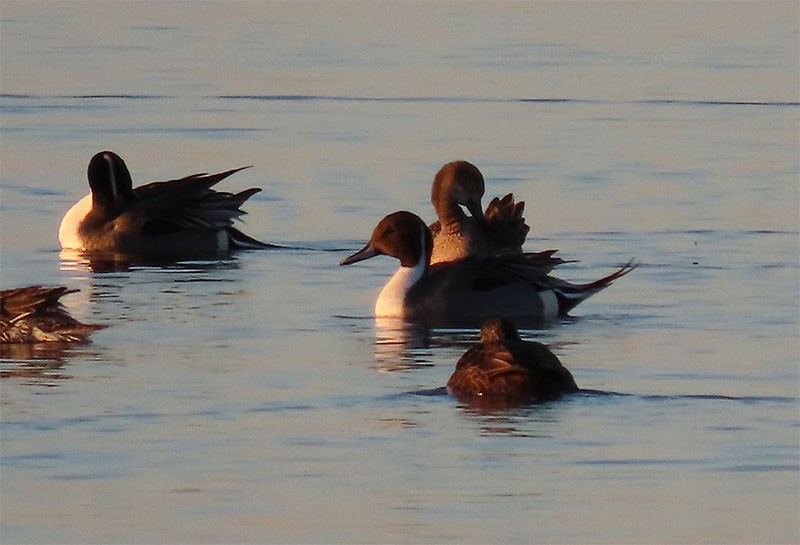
500	230
506	226
34	314
504	366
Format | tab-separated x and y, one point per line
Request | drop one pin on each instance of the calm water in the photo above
255	399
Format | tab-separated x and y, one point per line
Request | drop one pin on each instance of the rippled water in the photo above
255	399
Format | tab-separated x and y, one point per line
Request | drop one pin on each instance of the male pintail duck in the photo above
172	219
34	315
500	230
504	366
470	290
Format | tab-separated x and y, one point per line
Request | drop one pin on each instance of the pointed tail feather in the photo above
194	185
204	179
240	241
570	295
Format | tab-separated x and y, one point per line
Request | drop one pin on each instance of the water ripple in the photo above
408	99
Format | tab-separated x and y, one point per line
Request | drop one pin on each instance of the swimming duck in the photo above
176	218
500	230
502	365
470	290
34	314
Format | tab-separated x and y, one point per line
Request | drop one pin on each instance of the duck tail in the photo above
207	180
19	301
570	295
240	241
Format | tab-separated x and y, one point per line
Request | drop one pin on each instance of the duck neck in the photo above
413	267
391	301
449	211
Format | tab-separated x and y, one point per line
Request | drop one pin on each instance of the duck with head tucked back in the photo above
180	218
503	366
500	230
34	314
468	291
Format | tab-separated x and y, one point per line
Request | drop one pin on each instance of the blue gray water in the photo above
255	399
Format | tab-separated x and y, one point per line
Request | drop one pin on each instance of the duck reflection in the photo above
36	363
112	262
401	345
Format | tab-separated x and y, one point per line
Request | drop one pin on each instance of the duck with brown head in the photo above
468	291
500	230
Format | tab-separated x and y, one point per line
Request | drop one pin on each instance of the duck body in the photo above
500	230
504	366
468	291
34	314
176	218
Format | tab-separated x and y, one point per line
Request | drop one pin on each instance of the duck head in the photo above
458	184
110	182
497	330
401	235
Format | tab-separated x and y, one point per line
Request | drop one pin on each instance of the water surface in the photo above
255	399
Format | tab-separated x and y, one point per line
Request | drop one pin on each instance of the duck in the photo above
469	290
503	366
500	230
173	219
34	314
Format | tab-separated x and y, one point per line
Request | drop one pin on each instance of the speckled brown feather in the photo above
34	314
499	231
502	365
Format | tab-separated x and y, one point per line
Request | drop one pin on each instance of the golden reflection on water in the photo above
398	344
33	366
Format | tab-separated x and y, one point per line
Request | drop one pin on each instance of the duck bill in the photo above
475	209
364	253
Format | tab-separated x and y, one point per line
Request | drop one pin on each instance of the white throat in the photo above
391	301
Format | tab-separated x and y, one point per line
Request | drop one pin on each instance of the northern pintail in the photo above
500	230
172	219
470	290
34	314
502	365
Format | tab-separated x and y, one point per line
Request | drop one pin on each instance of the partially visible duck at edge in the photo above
34	314
500	230
503	366
468	291
172	219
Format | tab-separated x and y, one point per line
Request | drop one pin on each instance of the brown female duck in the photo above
34	314
500	230
503	366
